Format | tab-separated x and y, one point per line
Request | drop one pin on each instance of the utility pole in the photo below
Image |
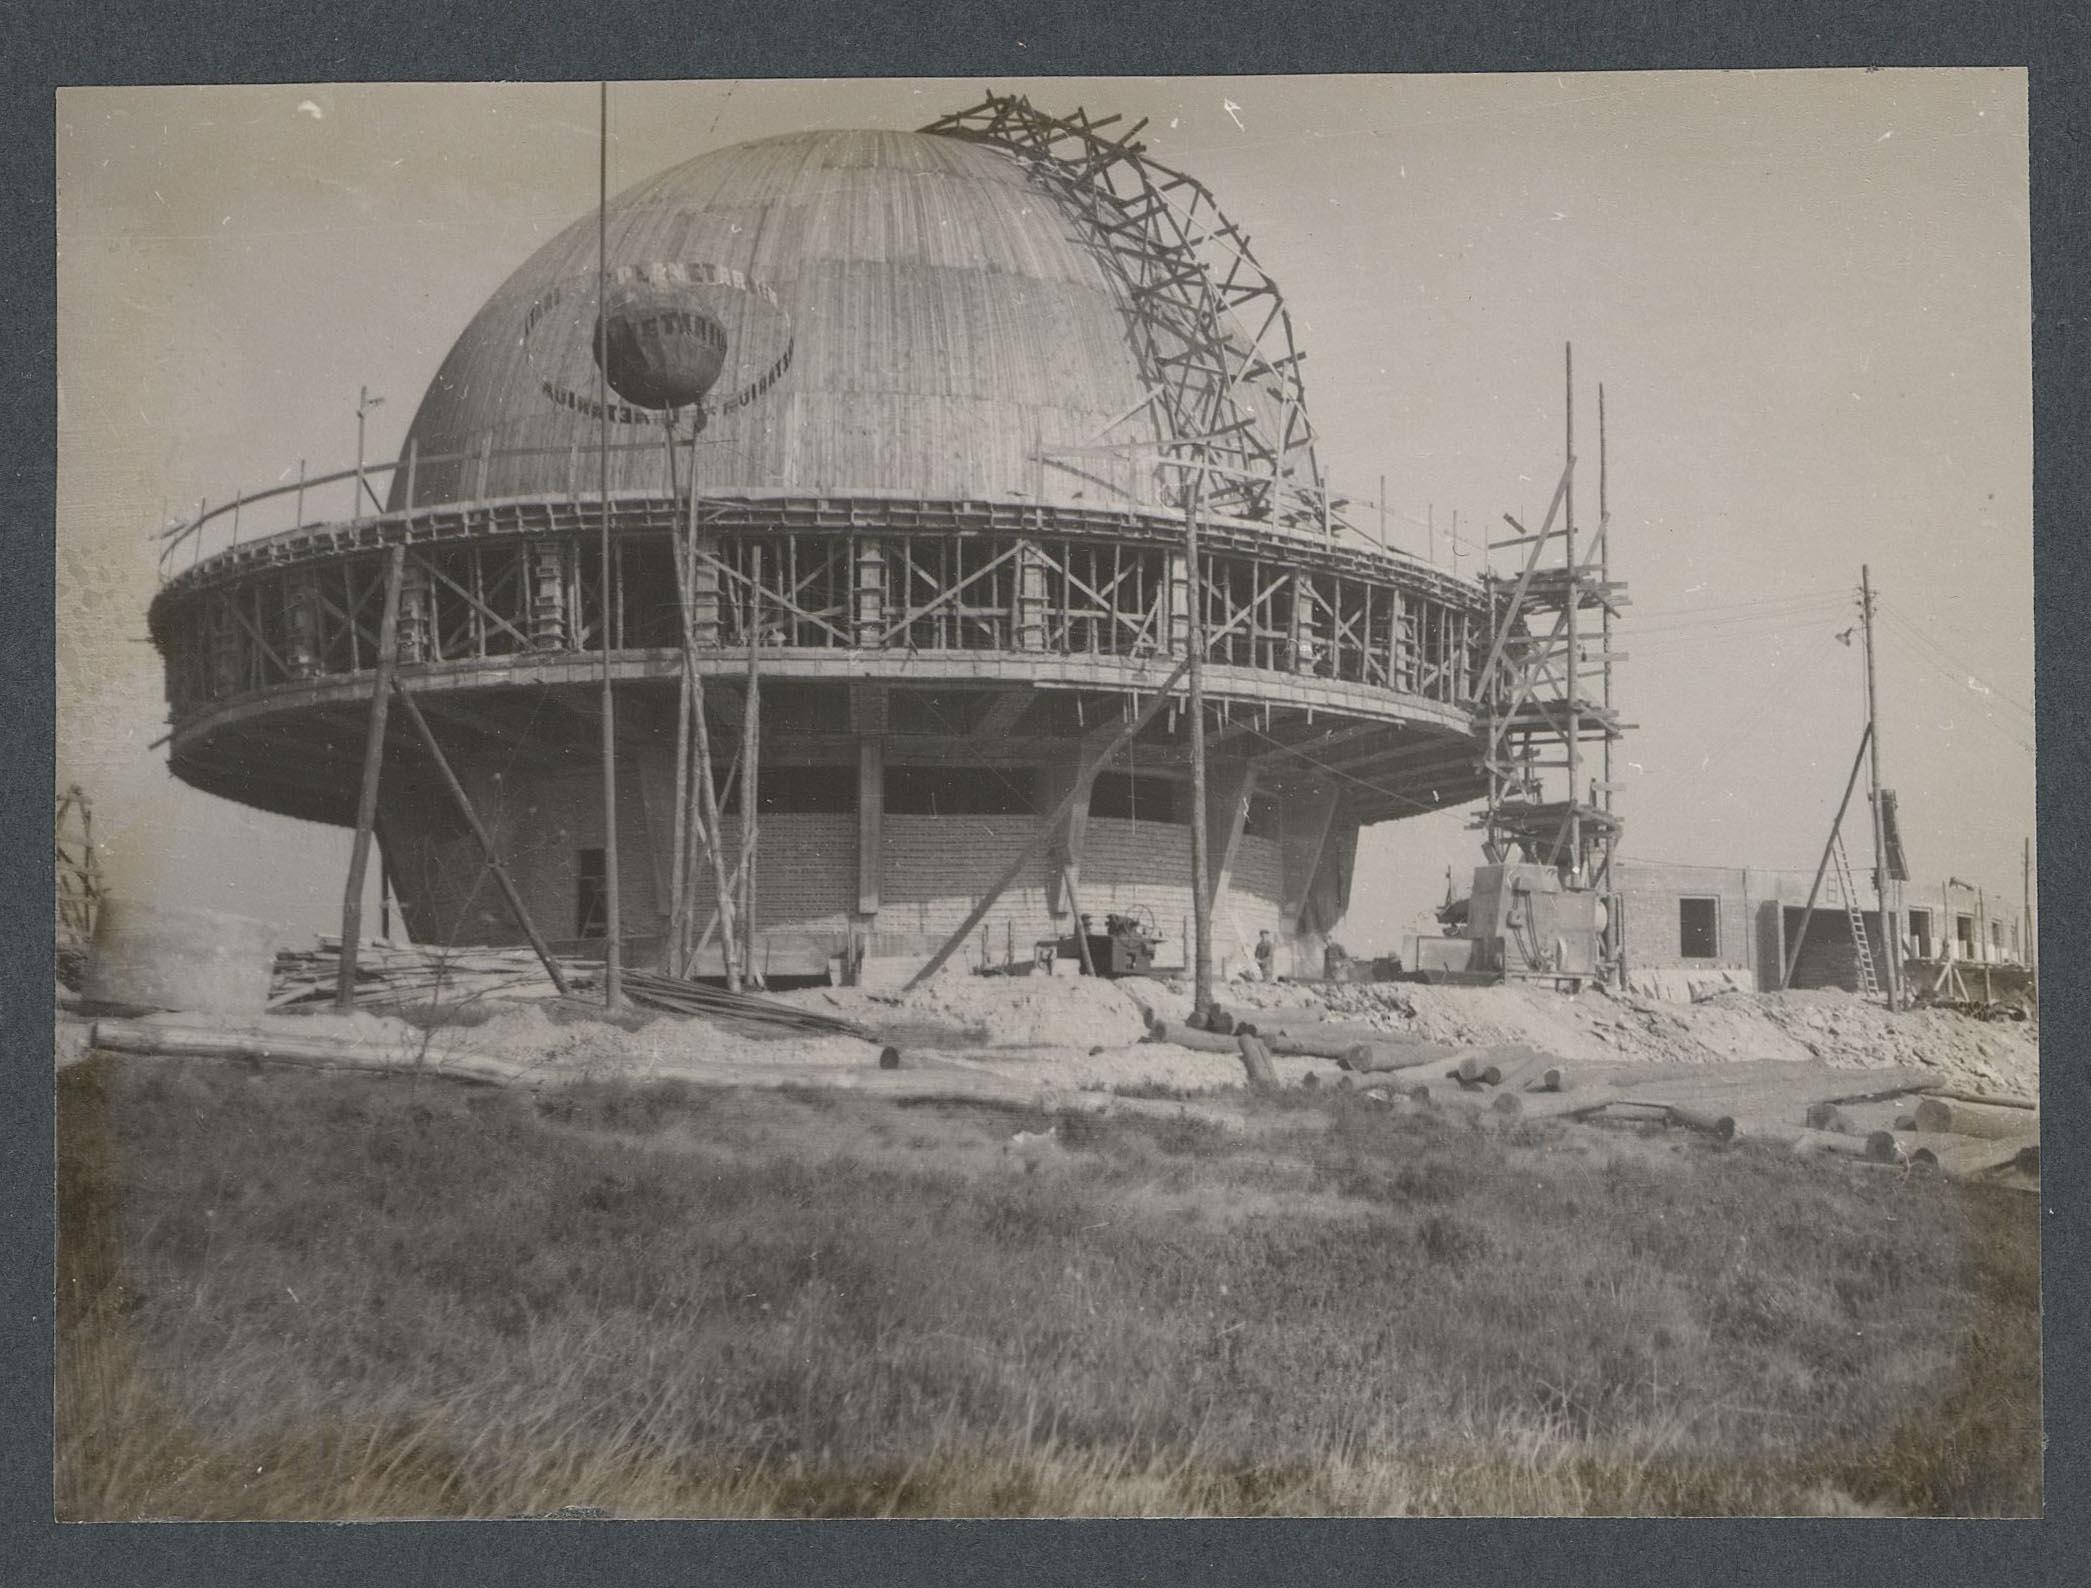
1201	864
1891	936
1575	600
2032	952
613	925
364	403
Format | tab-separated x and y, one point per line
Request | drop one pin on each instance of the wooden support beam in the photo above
494	862
367	798
1073	835
1230	785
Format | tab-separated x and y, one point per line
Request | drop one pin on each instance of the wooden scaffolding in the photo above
1545	694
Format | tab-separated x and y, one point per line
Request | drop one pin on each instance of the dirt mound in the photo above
526	1033
992	1011
1603	1027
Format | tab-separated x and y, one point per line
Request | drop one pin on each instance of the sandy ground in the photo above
1086	1034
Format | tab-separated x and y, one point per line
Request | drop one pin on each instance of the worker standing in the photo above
1266	956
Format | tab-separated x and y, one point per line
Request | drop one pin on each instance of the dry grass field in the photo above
293	1295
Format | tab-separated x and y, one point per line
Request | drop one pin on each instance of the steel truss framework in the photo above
1208	323
525	585
1535	709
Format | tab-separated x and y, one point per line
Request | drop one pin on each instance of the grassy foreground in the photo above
290	1295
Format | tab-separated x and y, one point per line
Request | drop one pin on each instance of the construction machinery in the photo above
1125	947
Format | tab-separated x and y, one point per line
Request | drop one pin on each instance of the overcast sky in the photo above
1806	294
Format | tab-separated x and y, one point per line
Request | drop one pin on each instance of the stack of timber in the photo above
406	973
674	995
396	974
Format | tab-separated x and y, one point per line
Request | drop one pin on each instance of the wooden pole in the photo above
494	863
367	797
1050	826
1615	968
707	785
1574	599
678	897
2030	942
721	921
751	741
613	904
1823	865
1074	905
1891	938
1201	861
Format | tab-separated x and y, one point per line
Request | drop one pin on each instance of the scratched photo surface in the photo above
1076	796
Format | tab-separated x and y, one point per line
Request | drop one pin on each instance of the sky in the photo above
1805	293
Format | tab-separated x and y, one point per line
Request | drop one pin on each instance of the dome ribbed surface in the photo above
939	314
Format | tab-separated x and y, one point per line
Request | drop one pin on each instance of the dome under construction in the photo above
925	499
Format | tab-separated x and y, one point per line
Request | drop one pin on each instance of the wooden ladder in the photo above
1869	985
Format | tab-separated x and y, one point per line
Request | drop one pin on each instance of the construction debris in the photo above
395	975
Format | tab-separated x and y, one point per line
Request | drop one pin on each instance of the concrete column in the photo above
1031	600
228	650
545	565
416	604
869	593
1306	639
1306	826
704	594
301	622
1178	610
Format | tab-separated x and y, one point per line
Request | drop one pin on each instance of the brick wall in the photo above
934	870
1652	893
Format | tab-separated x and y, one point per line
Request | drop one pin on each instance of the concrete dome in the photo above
917	316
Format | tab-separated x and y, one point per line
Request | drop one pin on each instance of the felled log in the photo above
1992	1099
1476	1071
1256	1061
1963	1157
1801	1141
1721	1126
1828	1116
1302	1044
1377	1057
1185	1036
314	1053
1987	1120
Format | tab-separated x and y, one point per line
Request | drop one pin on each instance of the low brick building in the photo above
1746	921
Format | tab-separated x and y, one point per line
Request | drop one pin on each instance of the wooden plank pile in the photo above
674	995
394	974
390	974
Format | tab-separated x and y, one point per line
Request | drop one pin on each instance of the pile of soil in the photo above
1599	1026
989	1012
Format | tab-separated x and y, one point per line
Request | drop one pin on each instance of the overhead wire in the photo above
1988	721
1969	676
